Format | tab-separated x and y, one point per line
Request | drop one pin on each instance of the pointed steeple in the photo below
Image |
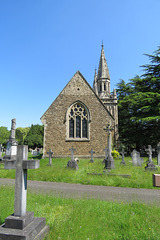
95	82
103	71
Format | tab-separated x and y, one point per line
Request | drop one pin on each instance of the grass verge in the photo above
71	219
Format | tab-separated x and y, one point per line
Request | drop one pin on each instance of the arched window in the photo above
78	122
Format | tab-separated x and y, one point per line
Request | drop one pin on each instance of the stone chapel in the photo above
79	115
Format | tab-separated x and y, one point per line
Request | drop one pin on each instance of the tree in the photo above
21	133
4	135
34	137
139	106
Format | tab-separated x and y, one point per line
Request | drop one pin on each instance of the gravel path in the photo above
120	194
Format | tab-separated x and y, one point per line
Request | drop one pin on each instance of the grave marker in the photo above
136	160
150	164
72	163
91	152
158	154
109	161
22	224
50	157
11	150
123	152
1	150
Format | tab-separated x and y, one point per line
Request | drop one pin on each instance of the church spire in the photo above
103	71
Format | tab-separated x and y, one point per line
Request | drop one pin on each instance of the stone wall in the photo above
55	123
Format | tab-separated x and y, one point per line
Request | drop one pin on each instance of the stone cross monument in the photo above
91	152
72	163
1	150
150	164
22	224
158	154
109	162
123	152
11	150
50	157
72	153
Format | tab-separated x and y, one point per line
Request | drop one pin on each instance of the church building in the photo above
79	115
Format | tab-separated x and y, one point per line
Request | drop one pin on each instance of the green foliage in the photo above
115	153
19	137
21	133
139	107
34	137
4	135
86	219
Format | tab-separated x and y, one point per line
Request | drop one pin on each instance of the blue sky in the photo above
44	42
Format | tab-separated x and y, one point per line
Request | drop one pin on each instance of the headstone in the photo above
34	153
109	161
136	159
50	157
123	152
91	152
22	224
72	163
11	150
1	151
158	154
150	164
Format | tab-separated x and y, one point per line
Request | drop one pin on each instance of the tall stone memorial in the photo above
158	154
11	150
1	150
22	224
109	161
150	165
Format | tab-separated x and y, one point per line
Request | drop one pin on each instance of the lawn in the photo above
71	219
60	173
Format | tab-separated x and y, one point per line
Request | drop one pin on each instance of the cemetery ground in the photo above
139	178
88	219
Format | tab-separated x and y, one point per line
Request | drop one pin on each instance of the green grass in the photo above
60	173
88	219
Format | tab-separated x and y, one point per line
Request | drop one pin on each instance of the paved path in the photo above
68	190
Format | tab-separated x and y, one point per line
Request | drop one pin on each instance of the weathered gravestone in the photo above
158	154
109	161
91	152
136	159
72	163
22	224
123	152
1	150
150	164
50	157
11	150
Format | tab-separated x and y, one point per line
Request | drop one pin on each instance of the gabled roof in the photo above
78	72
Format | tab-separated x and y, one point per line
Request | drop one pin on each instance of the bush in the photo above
115	154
